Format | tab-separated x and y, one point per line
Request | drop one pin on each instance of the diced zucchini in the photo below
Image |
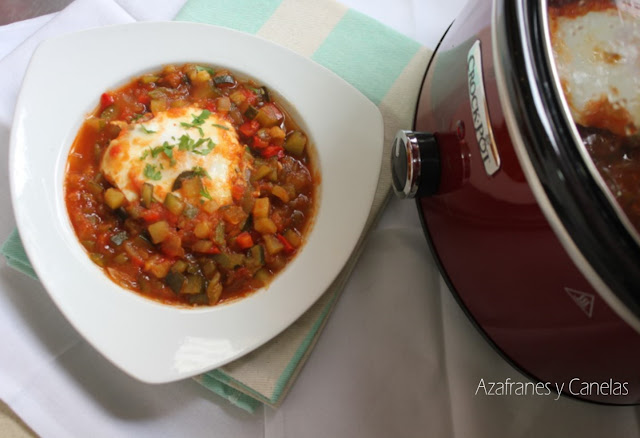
209	269
256	257
280	193
158	105
158	231
191	188
219	234
264	225
147	194
95	123
149	78
263	276
272	244
158	93
202	230
214	291
192	268
251	112
97	258
261	208
237	97
174	204
277	133
187	174
203	246
234	214
95	188
200	299
293	238
157	266
175	281
223	104
262	171
179	266
109	113
295	143
195	285
224	80
121	258
210	206
114	198
229	261
263	92
144	283
202	76
269	115
137	249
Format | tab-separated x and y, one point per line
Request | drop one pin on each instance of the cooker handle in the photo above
415	164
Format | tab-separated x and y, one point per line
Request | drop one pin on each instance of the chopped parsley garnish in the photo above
191	125
220	126
208	147
167	149
197	121
152	172
199	171
136	117
186	143
145	154
147	131
154	152
207	69
205	193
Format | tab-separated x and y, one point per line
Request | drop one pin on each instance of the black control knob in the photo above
415	164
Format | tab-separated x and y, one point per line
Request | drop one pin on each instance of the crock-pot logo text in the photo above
576	387
478	102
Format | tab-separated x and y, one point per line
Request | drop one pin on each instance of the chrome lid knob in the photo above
415	164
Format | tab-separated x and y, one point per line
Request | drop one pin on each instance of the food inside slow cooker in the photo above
596	46
191	185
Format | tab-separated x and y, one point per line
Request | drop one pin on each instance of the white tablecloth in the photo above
397	358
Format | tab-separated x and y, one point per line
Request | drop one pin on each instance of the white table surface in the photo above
397	357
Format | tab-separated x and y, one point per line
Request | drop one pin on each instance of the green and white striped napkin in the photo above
385	66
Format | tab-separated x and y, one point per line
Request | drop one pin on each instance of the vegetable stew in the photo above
191	185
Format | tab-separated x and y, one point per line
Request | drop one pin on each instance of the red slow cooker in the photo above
525	163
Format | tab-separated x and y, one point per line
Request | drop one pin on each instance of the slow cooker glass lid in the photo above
593	48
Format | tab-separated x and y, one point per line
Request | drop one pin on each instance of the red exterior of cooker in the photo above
496	249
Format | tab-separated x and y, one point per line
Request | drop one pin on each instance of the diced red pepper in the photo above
105	100
153	214
249	128
244	240
259	143
288	248
210	105
237	192
250	95
273	151
144	99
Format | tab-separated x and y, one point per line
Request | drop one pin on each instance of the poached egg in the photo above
178	140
